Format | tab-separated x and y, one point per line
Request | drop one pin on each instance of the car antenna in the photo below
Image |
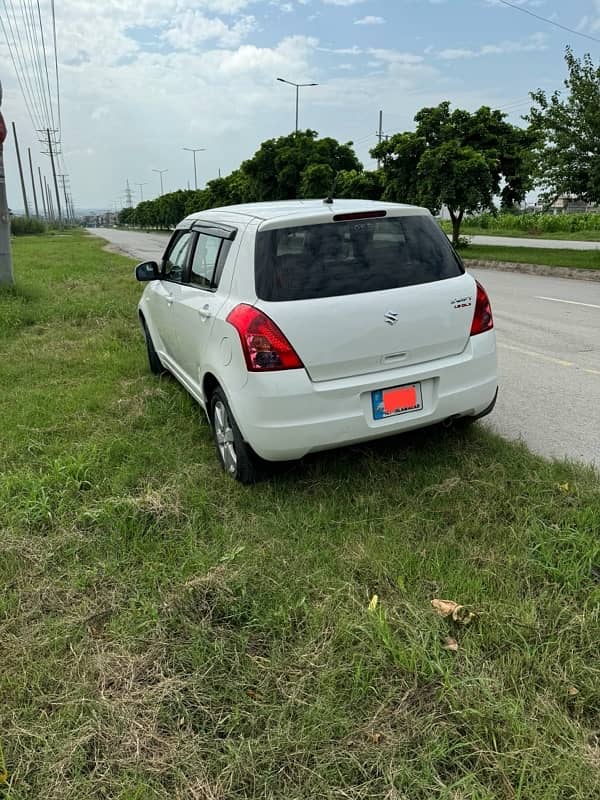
329	199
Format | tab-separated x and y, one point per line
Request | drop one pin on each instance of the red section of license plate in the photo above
400	399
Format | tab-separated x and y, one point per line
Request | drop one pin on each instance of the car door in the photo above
166	290
199	300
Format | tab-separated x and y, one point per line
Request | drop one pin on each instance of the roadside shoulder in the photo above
579	273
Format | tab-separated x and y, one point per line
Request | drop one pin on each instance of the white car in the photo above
305	325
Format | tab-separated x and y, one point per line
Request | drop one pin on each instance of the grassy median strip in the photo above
576	259
524	233
168	634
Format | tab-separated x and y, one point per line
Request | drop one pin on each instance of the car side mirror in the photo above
148	271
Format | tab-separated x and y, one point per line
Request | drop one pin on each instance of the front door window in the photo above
175	261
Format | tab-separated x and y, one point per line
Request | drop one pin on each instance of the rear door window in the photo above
351	257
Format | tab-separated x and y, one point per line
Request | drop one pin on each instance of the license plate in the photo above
397	400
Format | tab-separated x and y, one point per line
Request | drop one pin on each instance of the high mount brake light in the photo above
359	215
265	347
482	318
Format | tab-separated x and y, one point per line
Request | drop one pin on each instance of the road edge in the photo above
534	269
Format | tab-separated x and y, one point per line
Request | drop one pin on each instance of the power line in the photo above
12	58
33	59
549	21
45	60
56	67
15	54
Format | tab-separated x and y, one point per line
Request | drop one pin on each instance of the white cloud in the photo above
396	57
370	20
533	43
191	28
223	6
343	2
142	78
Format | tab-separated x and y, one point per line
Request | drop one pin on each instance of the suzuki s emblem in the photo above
391	317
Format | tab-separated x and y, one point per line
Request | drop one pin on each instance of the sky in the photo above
142	79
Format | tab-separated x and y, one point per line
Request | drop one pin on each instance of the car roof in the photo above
297	211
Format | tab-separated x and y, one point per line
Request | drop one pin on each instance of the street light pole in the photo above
140	185
194	150
298	87
161	172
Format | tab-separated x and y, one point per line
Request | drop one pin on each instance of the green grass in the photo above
519	233
577	236
578	226
168	634
576	259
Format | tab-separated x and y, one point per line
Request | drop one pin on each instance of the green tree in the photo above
458	159
127	216
568	154
275	171
316	181
357	184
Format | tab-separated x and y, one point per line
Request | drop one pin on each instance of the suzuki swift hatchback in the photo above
305	325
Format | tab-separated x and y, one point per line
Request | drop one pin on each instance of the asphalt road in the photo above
548	333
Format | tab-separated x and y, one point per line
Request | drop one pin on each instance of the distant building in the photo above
106	219
566	204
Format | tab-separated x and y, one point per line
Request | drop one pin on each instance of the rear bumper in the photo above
283	415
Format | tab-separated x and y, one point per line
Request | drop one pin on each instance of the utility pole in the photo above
140	185
380	135
42	193
54	176
35	202
49	200
63	180
20	170
6	271
161	172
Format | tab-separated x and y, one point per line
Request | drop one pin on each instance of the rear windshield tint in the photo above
340	258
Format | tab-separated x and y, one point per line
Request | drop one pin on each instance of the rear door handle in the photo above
205	312
169	300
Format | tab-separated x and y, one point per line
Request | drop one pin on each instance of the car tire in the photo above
235	456
154	362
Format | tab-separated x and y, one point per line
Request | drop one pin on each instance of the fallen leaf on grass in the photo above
572	691
373	602
375	738
564	487
448	608
450	644
3	776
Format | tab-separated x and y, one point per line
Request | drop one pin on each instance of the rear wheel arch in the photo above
209	384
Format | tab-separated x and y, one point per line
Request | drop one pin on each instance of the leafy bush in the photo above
27	226
537	223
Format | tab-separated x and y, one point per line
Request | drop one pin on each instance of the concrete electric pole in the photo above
6	272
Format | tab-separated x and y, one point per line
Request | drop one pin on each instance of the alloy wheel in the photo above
225	438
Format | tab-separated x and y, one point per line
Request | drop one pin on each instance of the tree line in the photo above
463	160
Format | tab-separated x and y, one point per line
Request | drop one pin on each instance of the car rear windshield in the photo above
351	257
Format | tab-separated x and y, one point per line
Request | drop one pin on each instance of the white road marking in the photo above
535	354
560	361
570	302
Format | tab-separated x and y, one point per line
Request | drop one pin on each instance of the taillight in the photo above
264	345
482	319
